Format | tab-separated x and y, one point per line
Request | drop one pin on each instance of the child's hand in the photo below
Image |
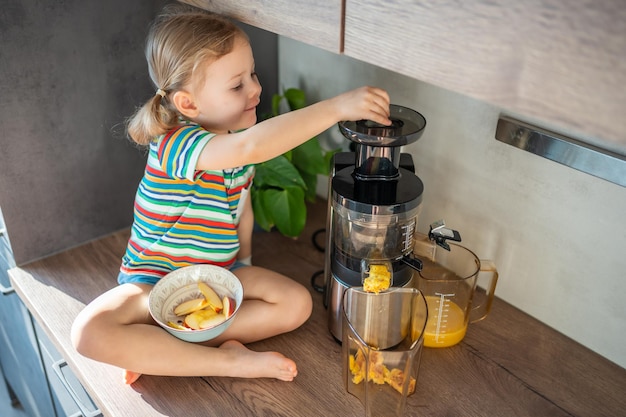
369	103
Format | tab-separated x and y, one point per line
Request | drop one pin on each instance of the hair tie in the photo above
160	92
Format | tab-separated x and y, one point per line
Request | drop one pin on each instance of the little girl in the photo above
192	207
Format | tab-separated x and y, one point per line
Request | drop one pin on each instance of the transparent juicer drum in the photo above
369	236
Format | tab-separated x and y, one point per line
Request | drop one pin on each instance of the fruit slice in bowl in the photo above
183	285
229	306
207	312
211	297
189	306
204	319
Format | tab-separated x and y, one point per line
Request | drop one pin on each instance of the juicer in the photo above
373	207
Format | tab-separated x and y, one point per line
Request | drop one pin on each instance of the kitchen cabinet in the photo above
70	398
33	369
556	62
19	351
319	23
561	62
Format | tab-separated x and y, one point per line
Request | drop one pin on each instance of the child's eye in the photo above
253	75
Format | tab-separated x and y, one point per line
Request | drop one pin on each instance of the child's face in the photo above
228	98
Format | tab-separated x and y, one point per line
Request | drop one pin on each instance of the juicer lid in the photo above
407	126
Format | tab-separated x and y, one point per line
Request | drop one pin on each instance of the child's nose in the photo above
256	89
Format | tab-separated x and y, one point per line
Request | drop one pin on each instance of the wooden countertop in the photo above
508	364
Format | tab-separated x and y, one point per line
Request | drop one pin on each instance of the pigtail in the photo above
156	117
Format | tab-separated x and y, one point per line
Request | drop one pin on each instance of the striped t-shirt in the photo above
183	216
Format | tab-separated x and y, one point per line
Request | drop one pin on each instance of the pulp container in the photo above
381	347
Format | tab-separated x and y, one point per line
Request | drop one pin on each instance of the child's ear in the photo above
185	104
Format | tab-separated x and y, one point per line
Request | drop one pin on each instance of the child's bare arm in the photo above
244	230
274	136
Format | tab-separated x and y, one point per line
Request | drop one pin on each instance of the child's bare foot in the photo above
130	376
250	364
261	364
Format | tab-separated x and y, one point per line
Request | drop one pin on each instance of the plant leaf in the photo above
309	158
295	98
276	99
289	155
282	184
261	216
310	193
328	157
277	172
288	209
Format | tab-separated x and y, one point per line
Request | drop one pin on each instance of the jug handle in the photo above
480	311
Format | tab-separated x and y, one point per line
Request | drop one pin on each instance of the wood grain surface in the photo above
558	62
546	60
508	365
318	23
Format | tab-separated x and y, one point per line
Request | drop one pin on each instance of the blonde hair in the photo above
179	41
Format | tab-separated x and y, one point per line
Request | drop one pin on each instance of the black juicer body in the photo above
374	202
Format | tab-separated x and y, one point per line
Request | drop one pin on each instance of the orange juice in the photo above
446	325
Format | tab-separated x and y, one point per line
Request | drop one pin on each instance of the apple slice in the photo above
190	306
176	326
212	321
197	318
229	306
211	296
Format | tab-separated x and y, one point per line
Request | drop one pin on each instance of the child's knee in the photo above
83	334
77	332
302	303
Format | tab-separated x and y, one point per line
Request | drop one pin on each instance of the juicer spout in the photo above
440	233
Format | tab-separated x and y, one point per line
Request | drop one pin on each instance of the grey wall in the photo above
70	73
265	48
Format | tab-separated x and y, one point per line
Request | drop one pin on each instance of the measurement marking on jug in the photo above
441	313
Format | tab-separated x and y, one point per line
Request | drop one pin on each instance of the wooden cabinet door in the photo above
318	23
562	62
19	354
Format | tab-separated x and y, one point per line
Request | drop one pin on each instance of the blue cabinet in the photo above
33	369
70	397
19	350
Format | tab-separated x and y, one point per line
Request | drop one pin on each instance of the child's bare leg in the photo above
273	304
122	314
116	328
251	364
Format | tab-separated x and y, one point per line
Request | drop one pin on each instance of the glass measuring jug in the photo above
381	347
448	280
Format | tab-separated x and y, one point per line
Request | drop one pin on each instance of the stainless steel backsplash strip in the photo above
584	157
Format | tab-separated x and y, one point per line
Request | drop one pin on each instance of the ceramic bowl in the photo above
182	285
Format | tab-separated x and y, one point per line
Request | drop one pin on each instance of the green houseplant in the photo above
283	185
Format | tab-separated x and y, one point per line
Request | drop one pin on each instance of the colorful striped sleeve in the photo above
179	150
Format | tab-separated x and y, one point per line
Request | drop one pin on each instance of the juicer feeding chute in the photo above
374	202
